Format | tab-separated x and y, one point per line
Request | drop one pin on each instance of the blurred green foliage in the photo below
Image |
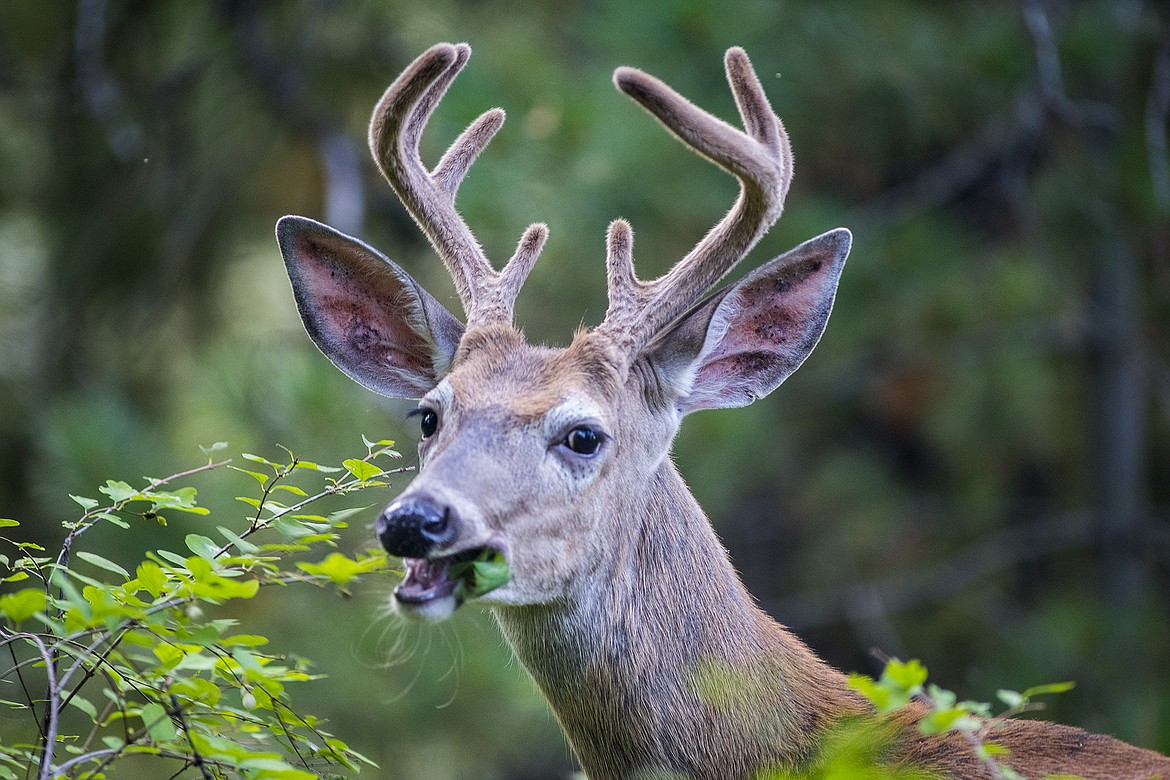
973	468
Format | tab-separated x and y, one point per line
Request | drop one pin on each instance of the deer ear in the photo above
364	312
749	337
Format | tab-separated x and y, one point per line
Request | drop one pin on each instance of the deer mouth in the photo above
467	574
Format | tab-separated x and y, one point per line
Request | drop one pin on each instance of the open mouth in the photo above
467	574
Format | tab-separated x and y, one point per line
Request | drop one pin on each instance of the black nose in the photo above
412	527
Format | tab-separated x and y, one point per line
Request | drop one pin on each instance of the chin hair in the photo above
433	611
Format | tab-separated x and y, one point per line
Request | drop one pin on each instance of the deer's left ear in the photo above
749	337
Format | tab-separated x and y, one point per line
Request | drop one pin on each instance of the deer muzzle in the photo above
415	527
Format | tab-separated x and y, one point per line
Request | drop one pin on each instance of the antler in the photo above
429	196
760	158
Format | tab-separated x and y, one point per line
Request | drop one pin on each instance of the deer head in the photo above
538	452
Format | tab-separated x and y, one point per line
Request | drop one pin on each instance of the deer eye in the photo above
584	440
428	422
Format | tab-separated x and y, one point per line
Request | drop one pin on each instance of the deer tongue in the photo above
425	580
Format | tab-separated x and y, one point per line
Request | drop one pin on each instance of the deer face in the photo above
541	454
517	451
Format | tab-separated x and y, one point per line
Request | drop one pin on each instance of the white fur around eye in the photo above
440	397
558	423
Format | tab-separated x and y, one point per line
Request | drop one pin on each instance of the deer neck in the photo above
661	664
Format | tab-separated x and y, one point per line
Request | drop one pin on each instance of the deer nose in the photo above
413	527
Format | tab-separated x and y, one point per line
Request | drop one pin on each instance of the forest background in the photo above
972	469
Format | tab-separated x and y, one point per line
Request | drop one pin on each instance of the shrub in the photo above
142	663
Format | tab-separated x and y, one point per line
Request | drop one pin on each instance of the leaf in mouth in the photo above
480	575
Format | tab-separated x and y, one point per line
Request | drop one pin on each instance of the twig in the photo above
155	483
292	743
88	519
109	753
90	671
27	694
333	489
49	735
112	754
196	759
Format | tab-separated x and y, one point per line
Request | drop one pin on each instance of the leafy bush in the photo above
902	681
128	664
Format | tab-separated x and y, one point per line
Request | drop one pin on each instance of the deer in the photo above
619	594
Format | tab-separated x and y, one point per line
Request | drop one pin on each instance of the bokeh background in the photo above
972	469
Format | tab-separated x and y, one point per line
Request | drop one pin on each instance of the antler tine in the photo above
395	131
759	156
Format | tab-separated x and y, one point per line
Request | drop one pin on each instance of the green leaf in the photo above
23	604
199	566
184	496
943	720
1011	698
196	689
213	448
85	705
266	768
9	523
174	558
361	469
868	687
344	514
381	443
907	675
488	575
482	575
102	563
340	569
296	491
258	476
158	723
308	464
168	654
246	547
85	503
118	491
291	529
202	546
151	578
191	510
1041	690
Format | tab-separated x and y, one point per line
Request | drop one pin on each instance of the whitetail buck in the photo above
620	598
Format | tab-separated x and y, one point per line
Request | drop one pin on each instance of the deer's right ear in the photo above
365	313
